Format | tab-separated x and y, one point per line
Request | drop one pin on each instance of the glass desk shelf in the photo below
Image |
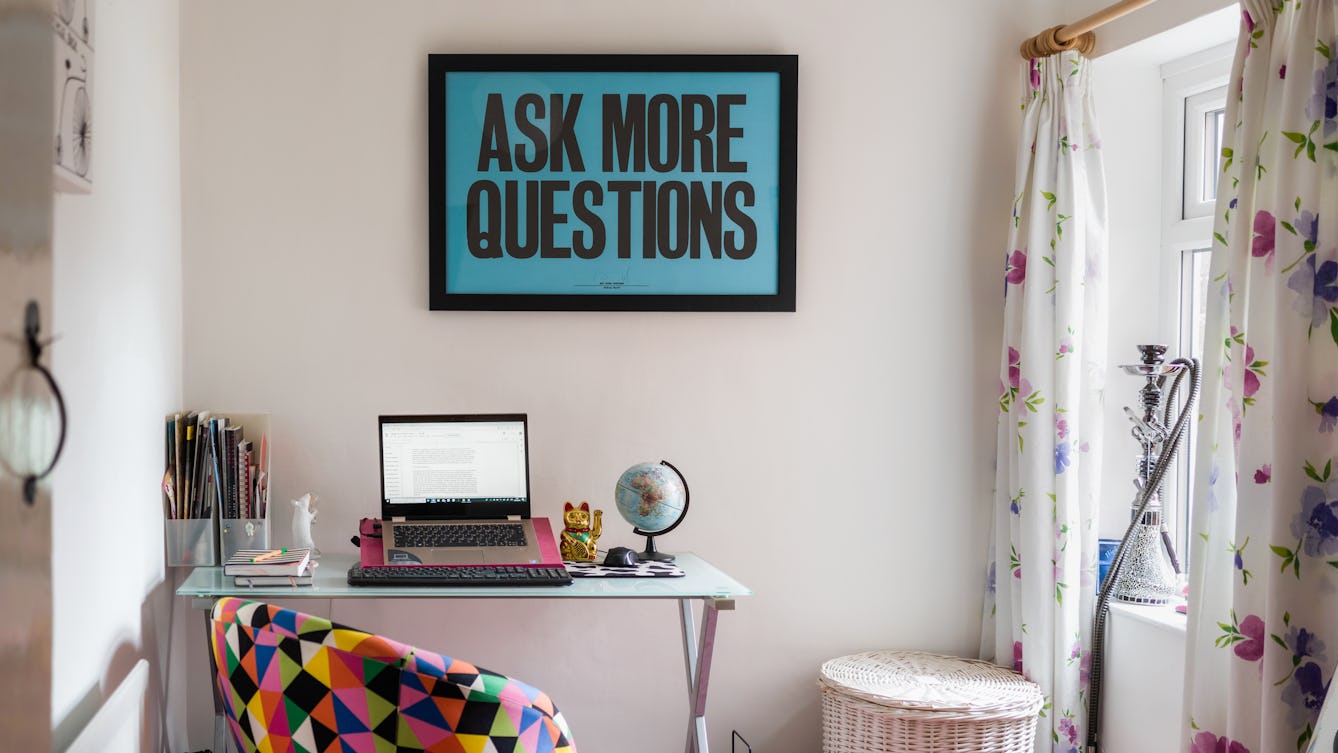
701	581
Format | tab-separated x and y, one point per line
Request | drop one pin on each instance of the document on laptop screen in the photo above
453	462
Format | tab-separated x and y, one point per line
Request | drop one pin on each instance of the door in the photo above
26	146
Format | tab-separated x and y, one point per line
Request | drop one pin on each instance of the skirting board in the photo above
118	725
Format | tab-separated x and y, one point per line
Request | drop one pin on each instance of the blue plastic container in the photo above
1105	549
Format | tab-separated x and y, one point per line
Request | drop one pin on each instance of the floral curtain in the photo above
1263	618
1041	584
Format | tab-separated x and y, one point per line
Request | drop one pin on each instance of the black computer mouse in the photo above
621	556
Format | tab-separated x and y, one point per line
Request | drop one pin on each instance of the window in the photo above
1195	113
1204	116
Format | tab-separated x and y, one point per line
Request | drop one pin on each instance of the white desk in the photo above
701	582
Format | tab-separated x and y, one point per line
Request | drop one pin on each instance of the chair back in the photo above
293	682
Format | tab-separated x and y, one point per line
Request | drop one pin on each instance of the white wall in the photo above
840	457
117	277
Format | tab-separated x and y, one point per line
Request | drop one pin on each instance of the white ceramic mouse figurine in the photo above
304	515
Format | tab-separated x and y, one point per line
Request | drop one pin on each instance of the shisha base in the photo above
1146	575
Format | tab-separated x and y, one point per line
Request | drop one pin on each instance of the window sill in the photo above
1144	678
1161	616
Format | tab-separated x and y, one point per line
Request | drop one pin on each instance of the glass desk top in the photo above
701	580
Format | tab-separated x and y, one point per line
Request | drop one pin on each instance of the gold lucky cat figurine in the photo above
578	538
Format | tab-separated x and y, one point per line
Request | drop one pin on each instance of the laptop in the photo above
455	490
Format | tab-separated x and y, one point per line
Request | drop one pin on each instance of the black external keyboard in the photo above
464	535
472	575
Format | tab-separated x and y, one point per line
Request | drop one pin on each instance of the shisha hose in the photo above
1144	498
1171	395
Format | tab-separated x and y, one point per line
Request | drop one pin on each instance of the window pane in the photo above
1203	128
1202	258
1213	124
1193	315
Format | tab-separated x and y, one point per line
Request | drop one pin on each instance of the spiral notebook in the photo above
268	562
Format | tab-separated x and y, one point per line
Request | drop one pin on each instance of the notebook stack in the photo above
270	567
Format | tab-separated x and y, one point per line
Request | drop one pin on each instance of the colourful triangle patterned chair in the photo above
294	683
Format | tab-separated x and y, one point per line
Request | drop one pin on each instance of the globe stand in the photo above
651	554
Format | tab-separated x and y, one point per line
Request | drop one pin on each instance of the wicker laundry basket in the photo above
919	702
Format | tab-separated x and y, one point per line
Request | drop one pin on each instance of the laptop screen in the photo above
472	466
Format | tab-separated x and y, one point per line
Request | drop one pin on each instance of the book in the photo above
198	501
245	475
178	452
212	498
286	562
231	436
188	468
170	475
274	580
262	476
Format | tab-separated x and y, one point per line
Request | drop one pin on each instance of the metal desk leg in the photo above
221	743
697	652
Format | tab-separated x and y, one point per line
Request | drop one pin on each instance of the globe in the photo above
653	497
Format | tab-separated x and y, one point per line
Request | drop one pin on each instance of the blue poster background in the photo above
758	117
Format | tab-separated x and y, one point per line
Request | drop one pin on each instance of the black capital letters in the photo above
673	198
662	132
525	103
724	132
740	194
624	189
624	131
698	135
483	241
588	192
494	144
549	219
562	133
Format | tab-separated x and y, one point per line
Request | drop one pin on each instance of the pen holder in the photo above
243	533
191	542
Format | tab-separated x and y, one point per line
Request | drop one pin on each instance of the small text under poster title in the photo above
698	205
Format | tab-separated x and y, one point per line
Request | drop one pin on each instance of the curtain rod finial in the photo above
1047	43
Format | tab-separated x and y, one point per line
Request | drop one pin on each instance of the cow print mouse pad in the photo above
642	570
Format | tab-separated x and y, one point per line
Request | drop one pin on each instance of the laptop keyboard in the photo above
472	575
458	535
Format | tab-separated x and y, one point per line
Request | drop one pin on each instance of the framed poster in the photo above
612	182
73	27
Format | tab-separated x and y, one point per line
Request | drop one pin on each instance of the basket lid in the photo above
934	682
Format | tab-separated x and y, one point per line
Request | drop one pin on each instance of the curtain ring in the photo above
34	346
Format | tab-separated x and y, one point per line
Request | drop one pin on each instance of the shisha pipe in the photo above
1141	503
1151	432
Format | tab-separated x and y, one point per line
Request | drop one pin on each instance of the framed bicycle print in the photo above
612	182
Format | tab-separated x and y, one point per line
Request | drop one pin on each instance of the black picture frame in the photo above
507	133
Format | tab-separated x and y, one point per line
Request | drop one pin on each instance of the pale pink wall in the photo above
840	457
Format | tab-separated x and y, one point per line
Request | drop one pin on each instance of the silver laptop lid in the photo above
461	467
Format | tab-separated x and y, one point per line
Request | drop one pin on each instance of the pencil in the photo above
269	555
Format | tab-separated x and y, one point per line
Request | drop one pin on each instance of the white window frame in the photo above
1192	87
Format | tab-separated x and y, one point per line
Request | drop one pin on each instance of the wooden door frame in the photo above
27	61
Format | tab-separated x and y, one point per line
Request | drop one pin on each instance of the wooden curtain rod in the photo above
1077	35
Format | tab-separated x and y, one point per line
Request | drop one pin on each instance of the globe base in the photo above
651	554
